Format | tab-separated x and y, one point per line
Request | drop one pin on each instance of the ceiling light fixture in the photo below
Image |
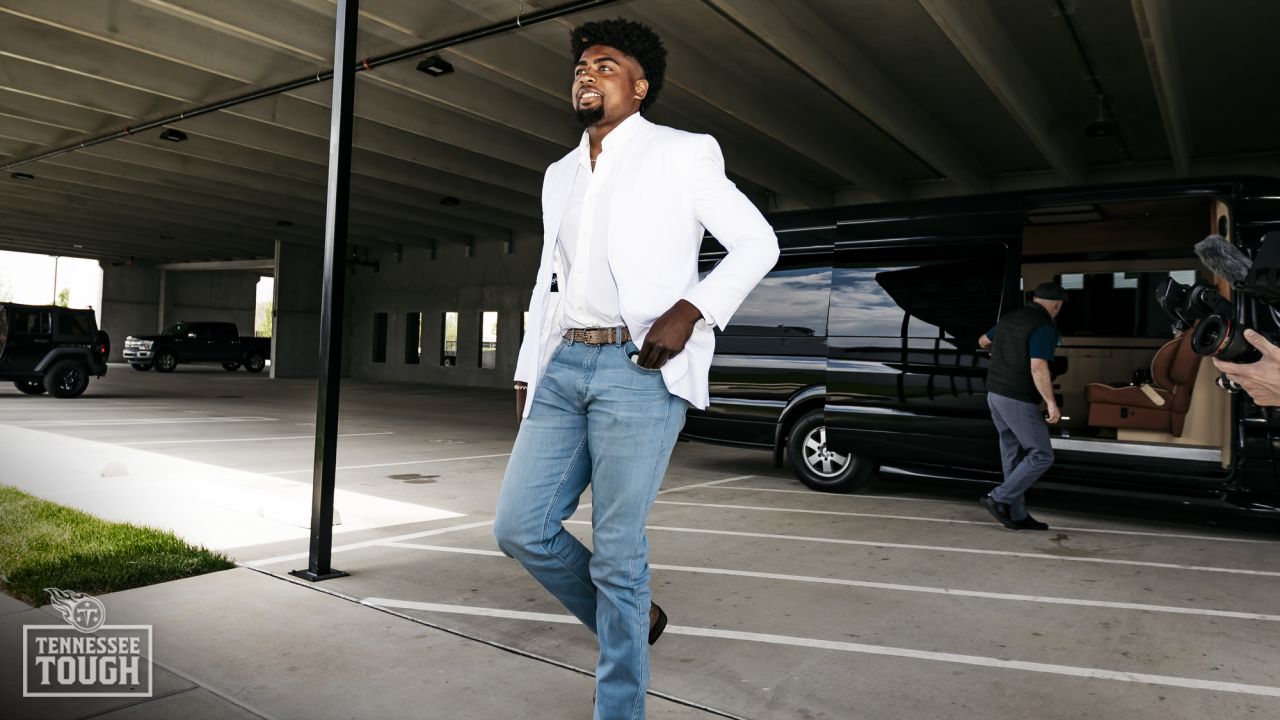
1101	125
435	66
22	176
172	135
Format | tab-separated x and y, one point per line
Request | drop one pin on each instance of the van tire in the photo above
166	361
29	387
819	468
67	379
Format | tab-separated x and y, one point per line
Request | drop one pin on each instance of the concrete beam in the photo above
1155	29
796	32
268	264
975	32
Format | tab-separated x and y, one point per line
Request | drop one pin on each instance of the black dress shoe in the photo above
999	511
657	622
1030	523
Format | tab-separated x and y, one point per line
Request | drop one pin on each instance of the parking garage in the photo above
899	600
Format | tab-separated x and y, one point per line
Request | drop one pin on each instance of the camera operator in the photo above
1261	379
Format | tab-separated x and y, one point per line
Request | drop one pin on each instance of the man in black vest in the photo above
1022	345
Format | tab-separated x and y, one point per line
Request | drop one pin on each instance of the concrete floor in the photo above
904	601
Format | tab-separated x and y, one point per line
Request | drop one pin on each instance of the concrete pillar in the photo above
295	336
130	304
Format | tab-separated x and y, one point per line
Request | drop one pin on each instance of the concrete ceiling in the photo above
815	102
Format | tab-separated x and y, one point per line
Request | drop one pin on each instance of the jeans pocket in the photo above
632	355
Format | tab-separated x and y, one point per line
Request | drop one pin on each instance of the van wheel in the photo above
30	387
67	379
166	361
141	367
231	366
819	467
254	362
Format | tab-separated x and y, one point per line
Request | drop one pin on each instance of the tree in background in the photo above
262	321
64	298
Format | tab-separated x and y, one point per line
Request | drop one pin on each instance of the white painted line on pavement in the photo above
442	531
252	439
392	464
1046	599
146	421
972	551
862	648
79	407
967	522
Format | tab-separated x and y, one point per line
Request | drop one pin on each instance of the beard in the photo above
590	116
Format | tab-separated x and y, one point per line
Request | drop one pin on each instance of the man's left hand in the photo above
1260	379
669	334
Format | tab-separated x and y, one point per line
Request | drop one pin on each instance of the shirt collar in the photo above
615	140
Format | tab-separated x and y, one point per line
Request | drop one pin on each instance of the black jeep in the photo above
50	348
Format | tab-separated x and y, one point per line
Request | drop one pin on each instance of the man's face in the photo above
608	86
1054	307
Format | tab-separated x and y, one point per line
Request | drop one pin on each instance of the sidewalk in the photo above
242	644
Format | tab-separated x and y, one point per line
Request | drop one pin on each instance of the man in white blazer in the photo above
613	356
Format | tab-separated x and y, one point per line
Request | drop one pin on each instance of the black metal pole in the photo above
335	275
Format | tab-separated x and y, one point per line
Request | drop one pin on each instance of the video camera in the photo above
1219	333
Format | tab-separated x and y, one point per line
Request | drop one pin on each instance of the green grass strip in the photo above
45	545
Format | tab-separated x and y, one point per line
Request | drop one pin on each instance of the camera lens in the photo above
1219	337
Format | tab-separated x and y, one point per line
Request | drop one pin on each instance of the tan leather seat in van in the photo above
1161	405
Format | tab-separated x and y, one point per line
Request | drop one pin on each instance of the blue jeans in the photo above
1026	452
597	419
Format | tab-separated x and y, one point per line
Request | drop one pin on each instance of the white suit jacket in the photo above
669	187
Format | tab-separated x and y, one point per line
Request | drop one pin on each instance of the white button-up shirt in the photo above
590	296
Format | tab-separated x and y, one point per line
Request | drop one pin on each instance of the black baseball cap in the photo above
1050	291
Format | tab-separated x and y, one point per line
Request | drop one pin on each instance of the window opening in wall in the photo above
263	312
379	337
412	338
449	339
488	340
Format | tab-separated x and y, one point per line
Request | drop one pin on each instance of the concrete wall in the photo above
492	280
295	329
212	295
130	304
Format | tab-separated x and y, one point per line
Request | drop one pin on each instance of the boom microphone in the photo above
1224	259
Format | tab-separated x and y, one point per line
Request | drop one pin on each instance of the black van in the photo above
859	350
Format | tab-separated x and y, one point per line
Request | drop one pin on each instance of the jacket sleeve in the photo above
737	225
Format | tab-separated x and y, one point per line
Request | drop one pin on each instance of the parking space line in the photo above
972	551
146	421
392	464
861	648
897	587
964	522
81	407
452	528
253	439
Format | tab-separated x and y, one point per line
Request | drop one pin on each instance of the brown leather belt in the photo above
597	336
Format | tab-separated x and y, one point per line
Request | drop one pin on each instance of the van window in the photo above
1116	304
923	292
791	300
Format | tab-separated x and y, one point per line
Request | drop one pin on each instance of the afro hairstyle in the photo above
637	40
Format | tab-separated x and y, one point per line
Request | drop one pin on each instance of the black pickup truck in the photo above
189	342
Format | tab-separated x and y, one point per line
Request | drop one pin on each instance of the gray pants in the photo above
1025	451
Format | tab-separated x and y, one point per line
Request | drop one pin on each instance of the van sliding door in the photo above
909	299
